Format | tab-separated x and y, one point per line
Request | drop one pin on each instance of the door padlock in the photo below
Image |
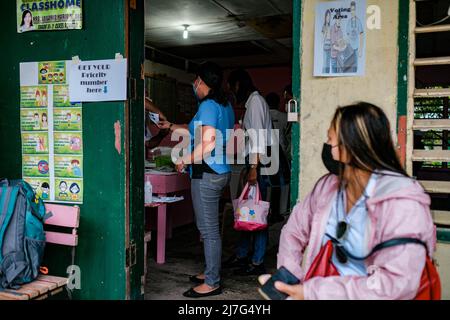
292	111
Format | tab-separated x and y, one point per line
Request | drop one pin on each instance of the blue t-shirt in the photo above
355	238
220	117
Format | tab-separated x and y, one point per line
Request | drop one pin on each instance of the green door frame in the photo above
112	173
134	26
402	79
296	83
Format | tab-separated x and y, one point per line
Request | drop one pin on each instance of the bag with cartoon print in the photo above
250	212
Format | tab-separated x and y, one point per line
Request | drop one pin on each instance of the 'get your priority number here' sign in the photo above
98	80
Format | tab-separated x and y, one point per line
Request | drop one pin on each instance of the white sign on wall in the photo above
340	38
98	80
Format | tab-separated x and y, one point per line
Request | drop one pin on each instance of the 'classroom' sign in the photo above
44	15
98	80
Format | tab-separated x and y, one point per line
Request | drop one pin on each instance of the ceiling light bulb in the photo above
185	32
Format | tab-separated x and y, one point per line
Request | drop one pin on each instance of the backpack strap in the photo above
8	198
12	266
385	244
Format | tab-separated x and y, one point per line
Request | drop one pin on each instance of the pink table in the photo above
163	185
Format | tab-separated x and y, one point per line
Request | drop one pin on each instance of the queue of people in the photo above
366	198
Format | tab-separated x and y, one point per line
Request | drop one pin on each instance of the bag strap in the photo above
11	198
257	193
383	245
244	192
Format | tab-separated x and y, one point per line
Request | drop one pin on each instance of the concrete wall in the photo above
321	96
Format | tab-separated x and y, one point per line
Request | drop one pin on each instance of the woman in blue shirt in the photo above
209	170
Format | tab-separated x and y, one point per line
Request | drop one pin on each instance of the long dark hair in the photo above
212	75
363	130
246	86
23	17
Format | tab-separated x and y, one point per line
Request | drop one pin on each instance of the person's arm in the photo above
171	126
150	106
253	122
206	117
200	150
156	140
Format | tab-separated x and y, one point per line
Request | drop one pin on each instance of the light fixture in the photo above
185	32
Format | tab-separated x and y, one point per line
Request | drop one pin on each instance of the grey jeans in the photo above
206	193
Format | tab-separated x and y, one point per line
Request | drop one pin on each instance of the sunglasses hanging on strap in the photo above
342	254
322	266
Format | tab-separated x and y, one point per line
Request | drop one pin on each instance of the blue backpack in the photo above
22	237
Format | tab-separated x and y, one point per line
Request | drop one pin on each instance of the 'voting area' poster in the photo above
340	38
51	129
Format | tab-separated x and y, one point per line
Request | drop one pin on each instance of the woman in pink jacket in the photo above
366	199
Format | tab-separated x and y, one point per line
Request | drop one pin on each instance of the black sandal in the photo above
191	293
196	280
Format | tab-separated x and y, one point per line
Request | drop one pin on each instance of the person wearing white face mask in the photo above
209	170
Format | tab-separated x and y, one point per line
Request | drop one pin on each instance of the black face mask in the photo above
332	165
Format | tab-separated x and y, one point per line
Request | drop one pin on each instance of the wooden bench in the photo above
45	286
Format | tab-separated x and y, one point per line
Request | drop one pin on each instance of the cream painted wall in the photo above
321	96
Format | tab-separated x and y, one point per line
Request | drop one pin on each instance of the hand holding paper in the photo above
154	117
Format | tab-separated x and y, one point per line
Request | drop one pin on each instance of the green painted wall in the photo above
101	250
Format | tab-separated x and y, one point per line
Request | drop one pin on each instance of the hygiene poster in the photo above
41	15
51	132
340	38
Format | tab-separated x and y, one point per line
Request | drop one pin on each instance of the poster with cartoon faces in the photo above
52	72
35	166
69	166
67	119
51	132
41	186
33	96
68	143
33	119
61	97
35	143
69	190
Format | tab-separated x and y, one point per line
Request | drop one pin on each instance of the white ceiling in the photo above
243	22
210	21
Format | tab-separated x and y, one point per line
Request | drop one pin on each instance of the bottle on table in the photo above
148	192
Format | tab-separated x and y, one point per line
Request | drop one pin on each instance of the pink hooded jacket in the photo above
399	207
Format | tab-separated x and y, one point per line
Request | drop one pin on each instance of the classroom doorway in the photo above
179	35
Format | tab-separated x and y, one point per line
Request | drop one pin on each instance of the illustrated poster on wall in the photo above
340	38
51	132
38	15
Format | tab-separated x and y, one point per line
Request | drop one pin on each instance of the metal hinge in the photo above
131	255
132	90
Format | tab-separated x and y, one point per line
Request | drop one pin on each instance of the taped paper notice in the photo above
154	117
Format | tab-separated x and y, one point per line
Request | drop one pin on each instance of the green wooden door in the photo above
109	218
135	143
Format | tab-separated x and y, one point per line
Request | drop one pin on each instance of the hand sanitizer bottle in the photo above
148	191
